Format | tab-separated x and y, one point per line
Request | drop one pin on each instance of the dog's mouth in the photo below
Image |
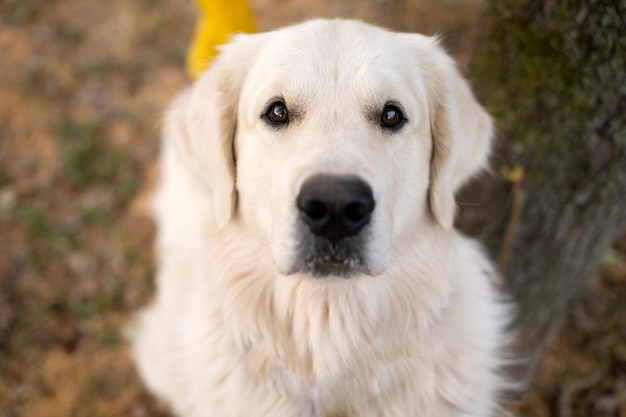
322	258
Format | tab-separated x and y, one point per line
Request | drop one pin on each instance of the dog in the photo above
308	265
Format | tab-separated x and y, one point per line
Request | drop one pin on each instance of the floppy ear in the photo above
203	123
461	131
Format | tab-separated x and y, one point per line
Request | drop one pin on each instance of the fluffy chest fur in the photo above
399	341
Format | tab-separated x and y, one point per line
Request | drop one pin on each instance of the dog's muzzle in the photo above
334	209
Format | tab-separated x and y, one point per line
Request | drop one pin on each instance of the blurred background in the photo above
83	85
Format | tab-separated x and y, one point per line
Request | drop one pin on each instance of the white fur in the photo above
230	332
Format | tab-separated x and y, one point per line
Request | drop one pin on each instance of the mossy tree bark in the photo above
553	73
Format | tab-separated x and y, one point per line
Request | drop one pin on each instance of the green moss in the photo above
548	73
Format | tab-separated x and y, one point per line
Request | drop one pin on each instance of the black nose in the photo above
335	207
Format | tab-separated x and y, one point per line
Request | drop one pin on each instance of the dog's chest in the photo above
336	390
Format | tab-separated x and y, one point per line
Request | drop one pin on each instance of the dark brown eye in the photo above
391	117
277	113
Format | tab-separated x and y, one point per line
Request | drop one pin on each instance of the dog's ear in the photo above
461	131
203	123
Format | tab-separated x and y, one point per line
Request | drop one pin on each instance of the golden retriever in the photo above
307	261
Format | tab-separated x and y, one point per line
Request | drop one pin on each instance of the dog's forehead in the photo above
337	55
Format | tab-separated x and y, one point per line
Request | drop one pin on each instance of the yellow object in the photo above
513	175
219	20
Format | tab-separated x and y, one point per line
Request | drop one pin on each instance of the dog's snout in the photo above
335	207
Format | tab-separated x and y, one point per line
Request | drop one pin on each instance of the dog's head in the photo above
332	142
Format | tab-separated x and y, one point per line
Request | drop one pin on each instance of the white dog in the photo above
307	260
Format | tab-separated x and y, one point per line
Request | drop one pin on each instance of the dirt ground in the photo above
83	84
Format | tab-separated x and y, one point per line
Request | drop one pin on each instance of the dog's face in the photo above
333	142
330	129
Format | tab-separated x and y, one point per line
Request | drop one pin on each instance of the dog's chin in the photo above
344	269
320	270
320	259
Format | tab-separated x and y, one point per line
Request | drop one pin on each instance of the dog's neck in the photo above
304	334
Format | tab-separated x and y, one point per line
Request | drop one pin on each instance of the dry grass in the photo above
82	88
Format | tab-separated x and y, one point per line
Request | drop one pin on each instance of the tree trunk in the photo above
553	73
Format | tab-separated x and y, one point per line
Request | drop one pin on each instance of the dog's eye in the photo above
277	113
392	117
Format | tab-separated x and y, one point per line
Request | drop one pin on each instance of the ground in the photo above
83	85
